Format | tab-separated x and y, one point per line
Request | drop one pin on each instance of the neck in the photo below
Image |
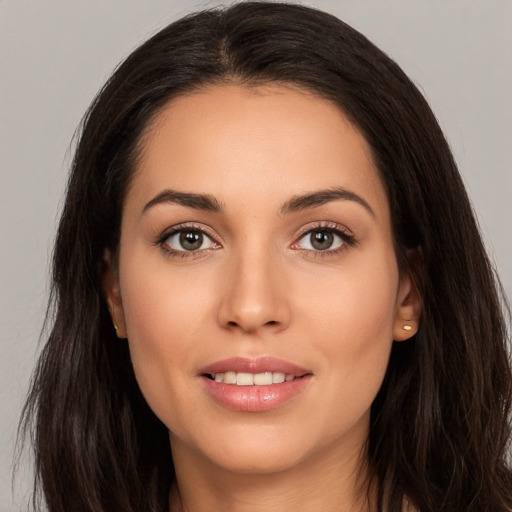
327	482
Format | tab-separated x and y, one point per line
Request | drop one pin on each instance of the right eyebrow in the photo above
204	202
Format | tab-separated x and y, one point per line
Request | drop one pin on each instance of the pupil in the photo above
191	240
322	240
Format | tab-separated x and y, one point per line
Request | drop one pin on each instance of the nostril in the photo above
232	323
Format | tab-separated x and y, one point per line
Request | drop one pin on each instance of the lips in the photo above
254	385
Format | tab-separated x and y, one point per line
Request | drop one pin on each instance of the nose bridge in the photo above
254	297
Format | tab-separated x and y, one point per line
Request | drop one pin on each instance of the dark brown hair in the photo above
440	425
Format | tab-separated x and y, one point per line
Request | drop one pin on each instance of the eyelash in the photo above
347	239
163	239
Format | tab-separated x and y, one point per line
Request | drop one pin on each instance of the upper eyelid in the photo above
347	236
327	225
183	226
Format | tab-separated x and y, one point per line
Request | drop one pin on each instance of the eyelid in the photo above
174	241
193	226
323	224
339	230
184	226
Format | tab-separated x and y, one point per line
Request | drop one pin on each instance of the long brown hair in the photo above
440	425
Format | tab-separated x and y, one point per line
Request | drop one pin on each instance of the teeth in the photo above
252	379
244	379
229	378
278	377
263	379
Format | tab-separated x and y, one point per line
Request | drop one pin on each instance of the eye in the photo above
320	240
324	239
189	240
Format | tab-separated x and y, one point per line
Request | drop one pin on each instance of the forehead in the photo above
253	144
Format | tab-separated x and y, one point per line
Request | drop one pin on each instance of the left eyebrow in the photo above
320	197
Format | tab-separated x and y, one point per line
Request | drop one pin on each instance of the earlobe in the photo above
112	294
408	309
405	330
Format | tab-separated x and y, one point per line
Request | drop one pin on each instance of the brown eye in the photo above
321	240
189	240
324	240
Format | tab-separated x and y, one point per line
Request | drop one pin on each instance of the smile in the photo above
254	385
252	379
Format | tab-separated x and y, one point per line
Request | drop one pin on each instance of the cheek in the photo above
352	328
165	315
354	302
162	300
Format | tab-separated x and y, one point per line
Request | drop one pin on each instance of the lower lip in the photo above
255	398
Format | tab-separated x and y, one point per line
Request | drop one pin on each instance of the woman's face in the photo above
256	247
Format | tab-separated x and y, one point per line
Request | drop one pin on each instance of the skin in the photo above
260	289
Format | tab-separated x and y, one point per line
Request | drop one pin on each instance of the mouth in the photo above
263	371
254	385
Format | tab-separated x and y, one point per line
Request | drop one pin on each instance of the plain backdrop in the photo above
55	55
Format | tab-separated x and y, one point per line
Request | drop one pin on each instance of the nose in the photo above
254	298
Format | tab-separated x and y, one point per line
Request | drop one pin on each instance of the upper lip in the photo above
258	365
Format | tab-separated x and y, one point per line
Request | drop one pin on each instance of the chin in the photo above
249	449
251	460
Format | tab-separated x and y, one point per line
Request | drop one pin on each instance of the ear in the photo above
112	294
409	303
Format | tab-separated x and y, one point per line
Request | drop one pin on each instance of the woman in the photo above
269	288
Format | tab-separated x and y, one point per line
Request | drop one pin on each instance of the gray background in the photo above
55	54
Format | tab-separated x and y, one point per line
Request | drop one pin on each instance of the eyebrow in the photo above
209	203
321	197
203	202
